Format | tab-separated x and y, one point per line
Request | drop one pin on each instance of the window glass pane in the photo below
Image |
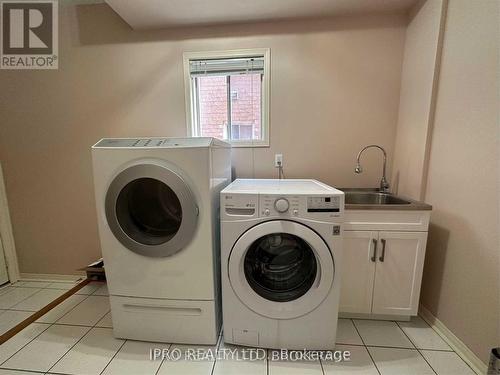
212	101
246	106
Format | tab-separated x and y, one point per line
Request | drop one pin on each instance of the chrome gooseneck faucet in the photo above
384	185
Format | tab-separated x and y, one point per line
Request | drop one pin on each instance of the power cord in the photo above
281	174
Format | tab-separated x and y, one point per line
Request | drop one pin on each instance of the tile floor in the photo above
76	338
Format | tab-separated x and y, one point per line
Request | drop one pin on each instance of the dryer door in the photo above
151	210
281	269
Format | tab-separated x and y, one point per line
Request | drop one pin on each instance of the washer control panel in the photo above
273	205
317	207
299	206
323	204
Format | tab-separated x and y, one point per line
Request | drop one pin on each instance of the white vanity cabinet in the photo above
382	267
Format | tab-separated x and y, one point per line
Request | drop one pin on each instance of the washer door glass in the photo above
280	267
151	210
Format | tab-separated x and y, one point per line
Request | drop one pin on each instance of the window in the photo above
227	95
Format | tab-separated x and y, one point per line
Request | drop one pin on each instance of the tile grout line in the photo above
321	365
22	347
40	289
418	350
13	309
31	295
445	351
80	339
366	348
49	325
426	361
404	333
114	355
217	347
451	349
162	360
67	351
267	361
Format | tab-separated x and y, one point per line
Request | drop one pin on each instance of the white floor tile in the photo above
182	367
231	360
46	349
382	333
9	319
57	312
14	296
12	345
105	321
284	367
397	361
346	333
89	288
447	363
423	336
91	354
33	284
38	300
358	363
134	358
88	312
102	290
63	285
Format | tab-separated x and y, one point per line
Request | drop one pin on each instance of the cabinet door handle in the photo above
374	256
382	256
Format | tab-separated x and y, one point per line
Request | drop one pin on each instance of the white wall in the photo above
461	284
334	88
421	55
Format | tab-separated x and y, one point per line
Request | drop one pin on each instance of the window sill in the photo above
244	144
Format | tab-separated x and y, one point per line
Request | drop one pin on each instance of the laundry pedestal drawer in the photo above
162	320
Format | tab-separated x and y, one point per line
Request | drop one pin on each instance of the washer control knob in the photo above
267	212
281	205
295	212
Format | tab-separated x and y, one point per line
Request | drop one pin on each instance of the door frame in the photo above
9	247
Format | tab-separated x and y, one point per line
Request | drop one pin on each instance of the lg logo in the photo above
29	35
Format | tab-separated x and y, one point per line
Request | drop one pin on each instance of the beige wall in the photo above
334	88
461	285
421	55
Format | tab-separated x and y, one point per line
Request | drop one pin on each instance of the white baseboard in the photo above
399	318
51	277
454	342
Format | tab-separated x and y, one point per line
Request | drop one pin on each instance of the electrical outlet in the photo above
278	160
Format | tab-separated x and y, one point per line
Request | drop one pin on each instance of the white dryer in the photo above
157	204
281	261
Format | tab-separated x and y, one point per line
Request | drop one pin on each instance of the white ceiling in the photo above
150	14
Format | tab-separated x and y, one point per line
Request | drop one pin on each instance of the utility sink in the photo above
352	197
372	199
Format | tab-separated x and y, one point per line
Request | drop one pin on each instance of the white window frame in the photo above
190	98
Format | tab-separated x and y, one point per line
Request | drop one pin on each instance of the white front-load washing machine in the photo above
158	214
281	260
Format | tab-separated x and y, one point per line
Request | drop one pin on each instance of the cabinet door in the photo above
358	271
398	275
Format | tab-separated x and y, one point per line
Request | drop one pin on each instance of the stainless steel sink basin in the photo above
373	198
